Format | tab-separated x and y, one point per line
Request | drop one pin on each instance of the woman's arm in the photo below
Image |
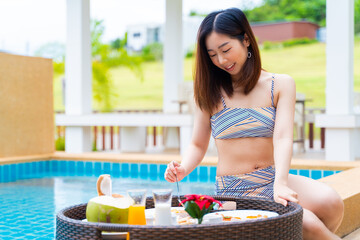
196	150
283	137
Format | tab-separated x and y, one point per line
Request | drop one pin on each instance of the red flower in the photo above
199	205
201	200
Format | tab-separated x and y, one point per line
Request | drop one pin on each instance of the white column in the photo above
78	90
344	149
173	64
173	54
339	140
339	56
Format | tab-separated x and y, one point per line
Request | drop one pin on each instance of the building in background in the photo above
141	35
281	31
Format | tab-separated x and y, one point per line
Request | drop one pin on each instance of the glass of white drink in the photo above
162	199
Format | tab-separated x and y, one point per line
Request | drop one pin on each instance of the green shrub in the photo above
190	51
298	41
189	54
94	149
267	45
60	144
152	52
357	38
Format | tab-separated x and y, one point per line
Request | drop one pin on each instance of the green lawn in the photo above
306	64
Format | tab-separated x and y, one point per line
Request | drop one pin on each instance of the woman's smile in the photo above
227	53
230	67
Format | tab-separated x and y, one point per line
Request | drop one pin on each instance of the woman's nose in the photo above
222	60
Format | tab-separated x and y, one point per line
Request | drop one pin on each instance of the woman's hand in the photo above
283	194
174	168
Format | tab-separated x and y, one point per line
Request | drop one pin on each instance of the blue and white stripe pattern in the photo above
244	122
254	184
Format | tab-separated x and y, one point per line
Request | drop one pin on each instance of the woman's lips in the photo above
230	68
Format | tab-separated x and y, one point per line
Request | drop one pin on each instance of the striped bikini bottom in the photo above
258	183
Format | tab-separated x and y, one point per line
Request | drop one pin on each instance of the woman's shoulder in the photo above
277	77
281	77
280	80
283	81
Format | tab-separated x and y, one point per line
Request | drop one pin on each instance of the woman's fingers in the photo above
168	176
172	166
281	201
292	197
171	171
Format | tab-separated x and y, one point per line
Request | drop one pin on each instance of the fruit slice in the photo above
103	185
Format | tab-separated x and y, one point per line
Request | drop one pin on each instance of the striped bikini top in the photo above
244	122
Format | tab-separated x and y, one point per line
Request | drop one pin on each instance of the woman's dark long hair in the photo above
209	79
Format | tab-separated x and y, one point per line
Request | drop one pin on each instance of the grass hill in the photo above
305	63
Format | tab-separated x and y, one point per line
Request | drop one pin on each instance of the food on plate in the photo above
226	218
258	216
179	211
186	220
229	218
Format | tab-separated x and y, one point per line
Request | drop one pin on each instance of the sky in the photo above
26	25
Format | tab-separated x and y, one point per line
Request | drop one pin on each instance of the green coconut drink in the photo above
108	209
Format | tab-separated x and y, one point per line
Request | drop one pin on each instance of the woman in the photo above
250	113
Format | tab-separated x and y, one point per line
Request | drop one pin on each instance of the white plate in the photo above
175	213
243	214
151	211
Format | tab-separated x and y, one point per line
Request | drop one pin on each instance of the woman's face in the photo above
228	54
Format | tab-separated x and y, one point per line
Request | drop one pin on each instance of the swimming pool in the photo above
32	193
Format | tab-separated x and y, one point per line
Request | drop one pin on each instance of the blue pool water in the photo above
32	193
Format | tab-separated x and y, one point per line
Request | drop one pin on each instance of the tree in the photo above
152	52
357	16
104	57
277	10
119	43
194	13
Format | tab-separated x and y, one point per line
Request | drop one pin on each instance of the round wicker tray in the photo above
288	225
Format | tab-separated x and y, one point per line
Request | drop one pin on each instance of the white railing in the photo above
132	130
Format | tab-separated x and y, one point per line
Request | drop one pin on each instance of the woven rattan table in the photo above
288	225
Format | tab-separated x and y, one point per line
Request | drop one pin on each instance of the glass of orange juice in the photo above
137	209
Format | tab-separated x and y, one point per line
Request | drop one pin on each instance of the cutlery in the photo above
178	195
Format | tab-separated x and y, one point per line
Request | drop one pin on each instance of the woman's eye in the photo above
212	55
227	50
